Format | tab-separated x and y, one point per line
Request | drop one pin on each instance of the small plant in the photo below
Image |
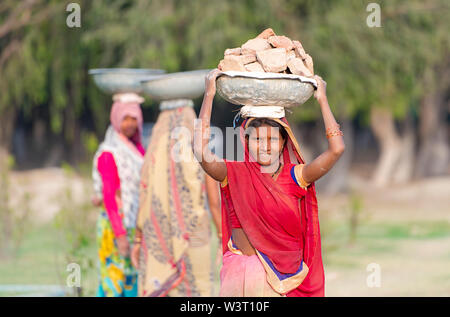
14	222
355	210
76	227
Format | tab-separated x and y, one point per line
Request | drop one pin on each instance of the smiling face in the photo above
265	144
129	126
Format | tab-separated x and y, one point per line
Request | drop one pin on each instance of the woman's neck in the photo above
272	169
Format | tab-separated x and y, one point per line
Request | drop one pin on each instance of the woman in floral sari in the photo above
270	229
173	247
116	174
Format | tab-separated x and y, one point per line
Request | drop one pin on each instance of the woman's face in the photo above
129	126
265	144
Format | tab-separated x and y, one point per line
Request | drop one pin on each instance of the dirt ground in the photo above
412	261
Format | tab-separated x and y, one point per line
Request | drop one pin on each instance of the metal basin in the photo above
122	80
182	85
265	89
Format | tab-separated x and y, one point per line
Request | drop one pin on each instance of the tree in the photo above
16	18
379	73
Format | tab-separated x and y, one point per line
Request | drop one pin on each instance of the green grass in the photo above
411	230
412	256
374	239
42	260
43	257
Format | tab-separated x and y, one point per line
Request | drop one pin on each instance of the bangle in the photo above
334	133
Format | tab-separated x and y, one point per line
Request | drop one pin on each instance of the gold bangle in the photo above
334	133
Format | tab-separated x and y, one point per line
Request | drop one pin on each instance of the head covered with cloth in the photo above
283	231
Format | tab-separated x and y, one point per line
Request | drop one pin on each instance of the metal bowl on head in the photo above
265	89
122	80
182	85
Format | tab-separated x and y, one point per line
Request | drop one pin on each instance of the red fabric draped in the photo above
273	225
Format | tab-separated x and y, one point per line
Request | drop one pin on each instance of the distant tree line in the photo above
392	79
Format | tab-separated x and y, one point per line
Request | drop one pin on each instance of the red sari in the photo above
281	223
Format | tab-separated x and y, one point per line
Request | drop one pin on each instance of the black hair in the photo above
257	122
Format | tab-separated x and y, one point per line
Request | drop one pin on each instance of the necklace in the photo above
279	165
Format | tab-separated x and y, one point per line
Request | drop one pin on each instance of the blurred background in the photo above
384	208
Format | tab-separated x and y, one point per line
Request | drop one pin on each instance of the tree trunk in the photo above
383	127
5	212
7	122
434	154
405	166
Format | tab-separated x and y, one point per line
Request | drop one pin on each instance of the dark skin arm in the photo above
212	191
325	161
211	164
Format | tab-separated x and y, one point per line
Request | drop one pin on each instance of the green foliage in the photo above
74	223
383	67
14	222
364	67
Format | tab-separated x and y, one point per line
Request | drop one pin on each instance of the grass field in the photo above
405	236
414	259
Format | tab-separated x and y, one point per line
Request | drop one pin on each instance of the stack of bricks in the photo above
269	53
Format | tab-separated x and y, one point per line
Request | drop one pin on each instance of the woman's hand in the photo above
96	201
321	92
123	245
135	251
210	82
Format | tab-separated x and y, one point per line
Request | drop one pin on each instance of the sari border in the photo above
287	282
281	283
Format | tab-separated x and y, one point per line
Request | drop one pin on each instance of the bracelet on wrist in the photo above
334	133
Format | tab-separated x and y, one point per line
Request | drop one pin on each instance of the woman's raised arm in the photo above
211	164
325	161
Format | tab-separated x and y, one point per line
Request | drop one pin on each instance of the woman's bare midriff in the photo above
241	241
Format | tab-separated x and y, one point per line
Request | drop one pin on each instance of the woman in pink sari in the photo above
270	228
116	175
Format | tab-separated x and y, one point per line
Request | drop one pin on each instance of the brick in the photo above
273	60
254	67
290	54
233	51
247	58
297	67
299	51
231	62
281	41
254	45
266	34
309	63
